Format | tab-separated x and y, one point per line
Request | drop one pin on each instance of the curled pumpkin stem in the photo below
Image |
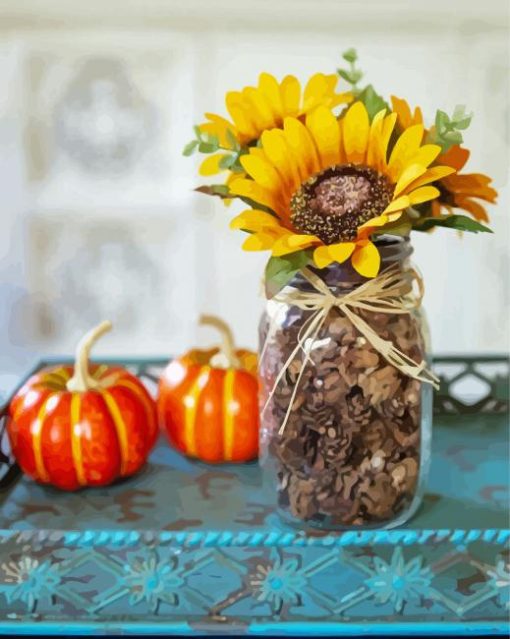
82	380
227	346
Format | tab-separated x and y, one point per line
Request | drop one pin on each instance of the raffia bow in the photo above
389	292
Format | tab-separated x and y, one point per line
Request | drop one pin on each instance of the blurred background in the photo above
98	214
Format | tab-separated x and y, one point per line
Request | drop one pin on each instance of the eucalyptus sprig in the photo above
206	143
352	75
447	131
368	95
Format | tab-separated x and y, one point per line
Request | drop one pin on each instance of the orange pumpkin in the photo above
73	427
208	401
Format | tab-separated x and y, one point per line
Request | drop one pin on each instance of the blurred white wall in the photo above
98	216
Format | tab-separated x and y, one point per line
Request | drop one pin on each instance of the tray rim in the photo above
275	628
95	538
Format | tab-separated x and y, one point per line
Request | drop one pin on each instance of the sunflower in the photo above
460	190
327	184
257	109
456	190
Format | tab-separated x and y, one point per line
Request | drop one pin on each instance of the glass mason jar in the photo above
355	446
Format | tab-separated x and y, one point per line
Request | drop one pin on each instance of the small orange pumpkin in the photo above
208	401
85	426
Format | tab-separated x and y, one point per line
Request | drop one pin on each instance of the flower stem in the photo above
82	381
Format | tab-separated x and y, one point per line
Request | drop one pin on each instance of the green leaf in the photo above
252	204
460	118
372	101
280	270
198	132
458	222
233	141
227	161
350	55
447	131
401	227
220	190
206	147
346	75
190	148
442	120
452	137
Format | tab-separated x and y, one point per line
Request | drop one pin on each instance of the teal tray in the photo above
189	549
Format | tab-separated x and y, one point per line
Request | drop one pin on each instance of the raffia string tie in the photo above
389	292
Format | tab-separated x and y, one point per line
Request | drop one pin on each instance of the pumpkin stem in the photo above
227	346
82	381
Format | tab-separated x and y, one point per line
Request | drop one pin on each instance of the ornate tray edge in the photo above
222	539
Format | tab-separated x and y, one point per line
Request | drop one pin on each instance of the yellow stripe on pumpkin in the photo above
190	410
228	414
120	427
76	438
36	431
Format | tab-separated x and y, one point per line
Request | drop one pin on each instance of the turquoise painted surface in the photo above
468	488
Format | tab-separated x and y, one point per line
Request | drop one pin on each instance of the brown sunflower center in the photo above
334	203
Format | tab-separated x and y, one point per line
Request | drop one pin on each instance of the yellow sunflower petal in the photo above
426	154
374	157
411	173
380	220
255	192
240	115
260	108
221	128
275	147
290	91
431	175
355	130
423	194
262	171
315	89
270	88
324	255
399	204
405	148
259	242
387	130
211	164
254	220
341	251
291	243
366	259
321	257
302	146
324	128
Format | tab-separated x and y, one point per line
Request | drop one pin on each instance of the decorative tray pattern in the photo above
184	548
